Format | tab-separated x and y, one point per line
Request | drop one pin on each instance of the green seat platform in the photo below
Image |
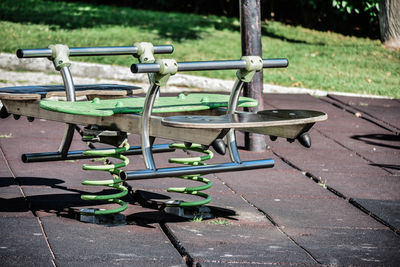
180	103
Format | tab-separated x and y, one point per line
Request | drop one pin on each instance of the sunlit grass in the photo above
318	60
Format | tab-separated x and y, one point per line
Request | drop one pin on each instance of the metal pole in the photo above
231	138
68	84
145	125
250	31
209	65
200	169
93	51
78	154
69	128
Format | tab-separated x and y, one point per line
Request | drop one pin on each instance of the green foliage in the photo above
197	219
68	15
220	221
369	7
6	135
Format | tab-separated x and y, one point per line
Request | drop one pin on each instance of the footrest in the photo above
265	118
180	103
284	123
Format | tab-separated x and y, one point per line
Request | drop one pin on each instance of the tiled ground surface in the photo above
337	203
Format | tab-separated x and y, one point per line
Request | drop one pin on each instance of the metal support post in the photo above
231	138
167	67
145	136
60	58
245	75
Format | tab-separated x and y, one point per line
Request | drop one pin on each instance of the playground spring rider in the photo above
109	120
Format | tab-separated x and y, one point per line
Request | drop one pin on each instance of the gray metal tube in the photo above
93	51
209	65
78	154
234	97
69	128
231	138
202	169
145	124
68	84
67	139
275	63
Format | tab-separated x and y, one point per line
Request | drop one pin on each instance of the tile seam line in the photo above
373	215
53	258
353	151
257	263
372	119
349	200
271	220
187	258
348	108
317	180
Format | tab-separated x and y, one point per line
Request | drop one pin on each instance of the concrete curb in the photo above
178	82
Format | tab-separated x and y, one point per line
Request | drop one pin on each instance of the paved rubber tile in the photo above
318	213
54	201
211	243
378	187
22	243
276	184
384	110
359	160
321	224
129	244
123	260
387	210
43	136
349	247
12	202
334	161
52	188
293	200
358	135
239	234
4	171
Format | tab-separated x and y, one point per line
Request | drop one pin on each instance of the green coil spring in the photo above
194	161
116	182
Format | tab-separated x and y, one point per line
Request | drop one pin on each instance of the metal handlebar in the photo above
209	65
93	51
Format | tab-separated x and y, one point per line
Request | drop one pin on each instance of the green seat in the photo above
180	103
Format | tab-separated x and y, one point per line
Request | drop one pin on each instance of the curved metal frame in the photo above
151	96
69	128
232	105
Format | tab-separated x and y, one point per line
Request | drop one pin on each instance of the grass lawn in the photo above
318	60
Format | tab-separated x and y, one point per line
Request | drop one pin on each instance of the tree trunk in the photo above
250	30
389	23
